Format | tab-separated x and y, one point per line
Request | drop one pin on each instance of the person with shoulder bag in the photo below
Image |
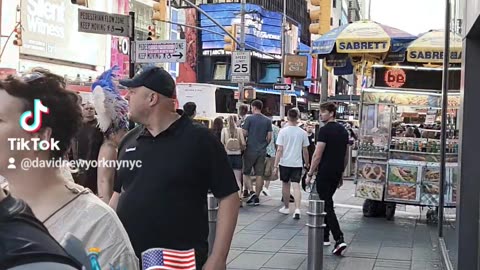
234	141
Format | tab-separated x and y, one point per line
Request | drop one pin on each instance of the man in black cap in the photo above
163	204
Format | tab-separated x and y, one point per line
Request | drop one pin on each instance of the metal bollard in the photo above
315	223
212	203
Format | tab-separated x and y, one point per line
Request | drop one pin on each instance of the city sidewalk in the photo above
265	239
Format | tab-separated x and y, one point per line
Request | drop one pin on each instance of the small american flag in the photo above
168	259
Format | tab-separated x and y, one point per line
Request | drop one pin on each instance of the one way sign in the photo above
283	86
160	51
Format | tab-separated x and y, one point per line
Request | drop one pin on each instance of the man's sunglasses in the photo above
32	76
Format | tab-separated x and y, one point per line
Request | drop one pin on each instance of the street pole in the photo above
241	85
443	138
369	9
324	83
282	66
170	13
131	66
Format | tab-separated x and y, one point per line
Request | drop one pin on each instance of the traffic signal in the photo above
230	43
249	93
80	2
320	17
152	34
18	36
160	11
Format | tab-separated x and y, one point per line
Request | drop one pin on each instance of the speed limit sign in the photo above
241	67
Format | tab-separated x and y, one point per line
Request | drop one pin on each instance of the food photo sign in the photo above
403	179
371	176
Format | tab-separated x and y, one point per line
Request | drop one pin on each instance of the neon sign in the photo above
395	78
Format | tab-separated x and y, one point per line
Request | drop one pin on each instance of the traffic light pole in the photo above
131	66
282	92
324	84
241	85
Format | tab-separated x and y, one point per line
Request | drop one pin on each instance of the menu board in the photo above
403	174
368	170
370	190
371	176
402	192
403	181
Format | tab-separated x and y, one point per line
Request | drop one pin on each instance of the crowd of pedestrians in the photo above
124	212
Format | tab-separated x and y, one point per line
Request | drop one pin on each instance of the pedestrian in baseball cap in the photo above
163	203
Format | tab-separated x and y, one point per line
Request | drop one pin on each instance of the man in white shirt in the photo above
292	142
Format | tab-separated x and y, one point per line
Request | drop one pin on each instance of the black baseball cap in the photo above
154	78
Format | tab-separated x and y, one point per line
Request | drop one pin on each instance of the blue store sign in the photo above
263	27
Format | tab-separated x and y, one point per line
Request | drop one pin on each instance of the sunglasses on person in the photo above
32	76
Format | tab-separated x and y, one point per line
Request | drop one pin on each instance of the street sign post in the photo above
283	86
96	22
160	51
241	67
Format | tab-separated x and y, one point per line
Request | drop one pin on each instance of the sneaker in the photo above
266	192
340	246
326	242
245	194
256	201
252	200
296	215
284	211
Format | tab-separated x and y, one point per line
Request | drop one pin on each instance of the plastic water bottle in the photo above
93	257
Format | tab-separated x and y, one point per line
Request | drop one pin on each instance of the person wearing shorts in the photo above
258	130
292	143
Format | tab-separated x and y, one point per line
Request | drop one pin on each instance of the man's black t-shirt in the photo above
332	164
24	239
164	203
311	146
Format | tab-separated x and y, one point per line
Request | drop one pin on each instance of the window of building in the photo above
269	72
220	71
334	3
331	21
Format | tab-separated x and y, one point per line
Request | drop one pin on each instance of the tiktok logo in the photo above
38	109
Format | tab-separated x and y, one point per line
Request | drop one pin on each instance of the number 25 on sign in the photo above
240	68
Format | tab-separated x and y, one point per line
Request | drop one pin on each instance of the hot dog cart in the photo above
395	169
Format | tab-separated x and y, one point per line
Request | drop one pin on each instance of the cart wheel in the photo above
390	210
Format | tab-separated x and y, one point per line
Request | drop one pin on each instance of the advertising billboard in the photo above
120	46
263	27
50	31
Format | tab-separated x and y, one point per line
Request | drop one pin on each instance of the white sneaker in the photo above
266	192
284	210
296	215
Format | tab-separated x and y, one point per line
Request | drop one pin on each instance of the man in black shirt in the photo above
25	243
330	159
163	204
86	146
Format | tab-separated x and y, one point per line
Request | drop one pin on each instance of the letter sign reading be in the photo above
395	78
